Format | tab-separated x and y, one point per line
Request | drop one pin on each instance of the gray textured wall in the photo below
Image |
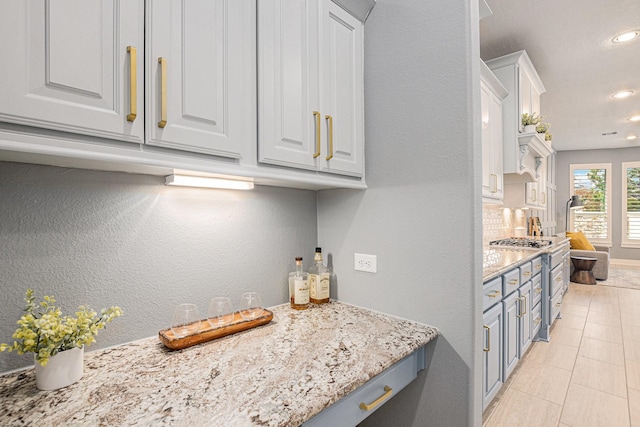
102	239
422	212
615	156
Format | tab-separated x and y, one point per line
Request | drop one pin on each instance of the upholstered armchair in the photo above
601	268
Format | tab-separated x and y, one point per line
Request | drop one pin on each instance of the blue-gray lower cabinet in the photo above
525	321
348	411
492	378
511	310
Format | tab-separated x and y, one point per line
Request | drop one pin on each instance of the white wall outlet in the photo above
364	262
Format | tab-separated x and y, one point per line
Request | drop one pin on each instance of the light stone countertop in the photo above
500	259
279	374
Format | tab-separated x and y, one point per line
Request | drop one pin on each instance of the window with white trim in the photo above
592	182
631	204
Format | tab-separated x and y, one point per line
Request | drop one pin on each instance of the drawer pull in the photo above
387	392
527	273
316	114
513	282
537	290
558	279
537	321
488	347
163	92
330	119
538	266
558	304
493	294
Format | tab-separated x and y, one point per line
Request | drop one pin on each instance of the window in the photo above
592	182
631	204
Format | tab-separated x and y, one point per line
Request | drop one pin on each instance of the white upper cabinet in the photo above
74	66
310	85
201	76
491	95
516	72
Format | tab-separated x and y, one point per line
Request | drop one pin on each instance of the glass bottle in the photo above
319	276
299	287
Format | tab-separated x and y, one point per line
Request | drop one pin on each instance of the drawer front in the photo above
536	266
526	272
556	258
536	289
555	280
556	305
536	316
510	281
347	411
492	293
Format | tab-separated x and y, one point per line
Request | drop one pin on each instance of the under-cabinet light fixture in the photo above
622	94
631	137
625	37
205	182
635	118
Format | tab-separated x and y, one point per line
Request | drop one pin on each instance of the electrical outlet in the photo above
364	262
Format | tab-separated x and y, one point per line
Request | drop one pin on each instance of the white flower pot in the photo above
529	128
63	369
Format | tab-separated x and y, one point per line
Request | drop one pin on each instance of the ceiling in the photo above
569	43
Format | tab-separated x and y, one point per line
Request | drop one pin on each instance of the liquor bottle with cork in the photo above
299	287
319	276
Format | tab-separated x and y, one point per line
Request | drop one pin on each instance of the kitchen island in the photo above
280	374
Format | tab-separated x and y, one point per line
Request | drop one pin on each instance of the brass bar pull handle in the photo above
524	302
519	315
534	194
493	294
538	266
163	92
537	321
527	273
495	183
559	279
330	119
488	347
544	198
514	281
538	290
387	392
558	304
316	114
133	83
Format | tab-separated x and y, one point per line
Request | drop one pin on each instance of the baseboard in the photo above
633	262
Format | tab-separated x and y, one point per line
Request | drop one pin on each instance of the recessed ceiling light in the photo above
622	94
625	37
631	137
635	118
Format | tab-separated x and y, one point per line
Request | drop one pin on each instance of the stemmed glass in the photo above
186	320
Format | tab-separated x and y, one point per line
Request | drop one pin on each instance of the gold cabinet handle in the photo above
330	119
133	83
493	294
538	266
316	114
520	313
544	198
163	92
527	273
495	183
524	303
488	347
558	304
534	194
514	281
387	392
558	279
537	321
537	290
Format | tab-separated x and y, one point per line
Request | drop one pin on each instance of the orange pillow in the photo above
579	241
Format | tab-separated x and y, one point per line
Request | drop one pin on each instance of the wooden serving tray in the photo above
209	333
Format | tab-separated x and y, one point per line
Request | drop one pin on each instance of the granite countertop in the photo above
279	374
500	259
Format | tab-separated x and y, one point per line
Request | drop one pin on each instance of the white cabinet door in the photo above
487	143
65	66
492	378
201	75
310	87
289	99
495	107
342	94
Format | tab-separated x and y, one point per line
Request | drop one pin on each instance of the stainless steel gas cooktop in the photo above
521	242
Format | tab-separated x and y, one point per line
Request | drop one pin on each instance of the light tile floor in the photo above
589	373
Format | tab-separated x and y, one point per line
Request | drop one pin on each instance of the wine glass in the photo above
220	312
186	320
251	307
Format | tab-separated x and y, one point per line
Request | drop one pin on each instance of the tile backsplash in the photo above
498	223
